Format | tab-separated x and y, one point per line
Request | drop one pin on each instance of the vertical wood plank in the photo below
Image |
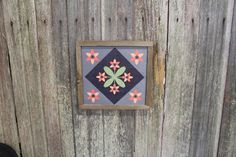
60	50
126	120
8	126
214	28
111	118
141	121
193	104
182	51
72	14
14	42
95	118
88	125
91	24
151	24
32	76
49	81
227	143
82	125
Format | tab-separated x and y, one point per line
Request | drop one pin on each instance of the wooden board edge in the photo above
150	71
79	79
115	43
113	107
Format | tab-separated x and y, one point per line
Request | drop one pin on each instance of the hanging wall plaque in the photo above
115	74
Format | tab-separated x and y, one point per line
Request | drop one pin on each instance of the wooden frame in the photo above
149	76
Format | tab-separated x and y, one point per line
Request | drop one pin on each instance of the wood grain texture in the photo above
48	73
214	35
150	22
181	62
193	104
8	125
111	119
32	76
61	53
73	20
227	143
88	124
16	57
38	78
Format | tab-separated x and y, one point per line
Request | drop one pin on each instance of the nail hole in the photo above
192	20
76	20
92	19
45	21
126	19
27	22
208	19
142	18
177	20
109	19
224	20
159	18
11	23
60	21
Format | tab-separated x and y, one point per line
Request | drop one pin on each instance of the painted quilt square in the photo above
114	75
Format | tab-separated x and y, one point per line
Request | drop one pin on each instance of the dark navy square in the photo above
114	54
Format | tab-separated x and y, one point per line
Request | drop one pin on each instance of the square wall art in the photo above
114	74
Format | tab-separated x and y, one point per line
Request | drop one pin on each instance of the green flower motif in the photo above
114	77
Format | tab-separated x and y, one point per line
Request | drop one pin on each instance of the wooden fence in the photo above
194	113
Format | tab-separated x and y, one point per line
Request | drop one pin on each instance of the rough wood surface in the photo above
38	78
16	57
212	56
32	75
91	30
181	62
48	73
227	143
116	18
62	67
150	21
8	125
111	119
196	78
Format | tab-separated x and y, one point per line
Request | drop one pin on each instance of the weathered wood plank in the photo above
14	42
73	30
227	143
181	71
32	76
94	130
8	126
195	79
156	31
1	124
95	118
141	121
126	124
111	118
82	124
151	24
60	50
48	77
214	28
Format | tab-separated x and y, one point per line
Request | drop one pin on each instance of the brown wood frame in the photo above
150	69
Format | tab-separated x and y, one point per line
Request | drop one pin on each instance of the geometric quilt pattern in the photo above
114	75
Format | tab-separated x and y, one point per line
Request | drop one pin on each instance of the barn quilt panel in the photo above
114	75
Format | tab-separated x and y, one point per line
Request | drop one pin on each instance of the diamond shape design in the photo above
123	62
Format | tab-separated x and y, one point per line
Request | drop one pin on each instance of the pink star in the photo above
92	56
114	89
